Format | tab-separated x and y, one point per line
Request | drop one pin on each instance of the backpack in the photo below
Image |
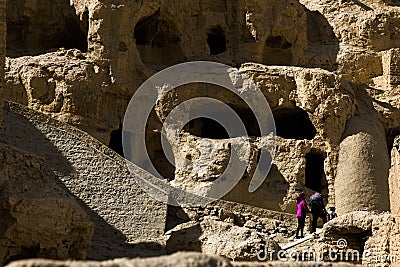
317	203
315	196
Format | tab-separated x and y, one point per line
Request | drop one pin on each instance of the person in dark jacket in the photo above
317	210
332	213
302	210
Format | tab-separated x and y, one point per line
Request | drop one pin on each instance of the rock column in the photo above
363	169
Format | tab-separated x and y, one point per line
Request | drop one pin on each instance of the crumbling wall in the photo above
231	33
69	86
311	108
234	242
151	35
364	29
391	68
370	234
395	238
40	219
148	36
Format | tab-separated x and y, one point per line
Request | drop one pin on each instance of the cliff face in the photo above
328	69
346	51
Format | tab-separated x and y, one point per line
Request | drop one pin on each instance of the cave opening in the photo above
277	51
277	42
156	149
323	43
209	128
157	155
390	142
116	141
43	30
293	123
25	252
216	40
158	41
356	239
391	135
315	178
75	33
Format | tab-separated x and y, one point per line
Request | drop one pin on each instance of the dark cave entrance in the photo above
216	40
158	157
158	41
116	141
43	30
293	123
155	149
277	51
390	143
209	128
315	178
26	252
390	137
356	240
321	38
75	34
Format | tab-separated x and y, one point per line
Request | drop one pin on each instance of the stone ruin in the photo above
328	69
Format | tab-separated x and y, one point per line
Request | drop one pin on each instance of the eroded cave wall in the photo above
151	35
2	50
37	27
310	108
130	40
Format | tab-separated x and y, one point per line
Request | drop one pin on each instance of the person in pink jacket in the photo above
302	210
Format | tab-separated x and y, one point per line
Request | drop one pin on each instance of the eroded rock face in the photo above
348	49
91	90
267	222
68	86
232	33
97	178
394	177
253	31
374	234
331	35
363	29
311	108
40	219
34	27
210	236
